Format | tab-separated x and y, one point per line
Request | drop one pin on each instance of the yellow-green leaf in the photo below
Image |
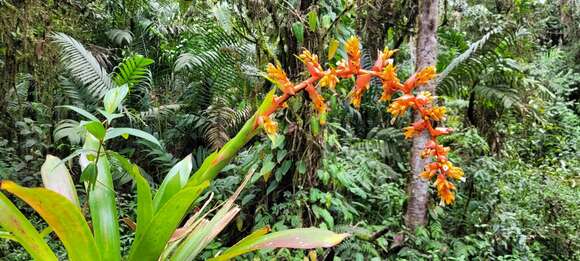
63	216
332	47
20	229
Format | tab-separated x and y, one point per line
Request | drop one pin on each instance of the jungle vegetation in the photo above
289	130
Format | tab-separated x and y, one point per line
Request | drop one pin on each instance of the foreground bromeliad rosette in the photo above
383	69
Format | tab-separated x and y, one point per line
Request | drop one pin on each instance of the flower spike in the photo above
423	102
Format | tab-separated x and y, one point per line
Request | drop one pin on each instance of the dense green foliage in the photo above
509	77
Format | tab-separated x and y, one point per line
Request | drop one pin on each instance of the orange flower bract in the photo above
353	51
276	74
329	79
270	126
311	62
316	98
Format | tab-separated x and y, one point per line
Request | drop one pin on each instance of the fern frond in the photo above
82	65
219	59
132	71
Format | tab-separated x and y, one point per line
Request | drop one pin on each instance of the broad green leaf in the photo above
326	21
96	128
103	207
89	175
144	200
314	125
80	111
18	228
150	245
173	182
116	132
266	169
298	30
325	214
56	177
312	20
301	167
114	98
64	217
301	238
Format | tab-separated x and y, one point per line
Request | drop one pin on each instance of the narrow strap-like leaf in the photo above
144	200
150	245
302	238
56	177
103	207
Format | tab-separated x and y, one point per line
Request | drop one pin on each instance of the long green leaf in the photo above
103	207
56	177
95	128
80	111
20	229
114	97
151	243
302	238
173	182
144	200
116	132
64	217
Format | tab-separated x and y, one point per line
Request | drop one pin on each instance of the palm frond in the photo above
82	65
71	91
473	62
221	59
120	37
70	129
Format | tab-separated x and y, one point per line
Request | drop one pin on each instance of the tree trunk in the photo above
426	52
567	8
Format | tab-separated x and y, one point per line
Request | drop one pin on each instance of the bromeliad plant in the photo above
157	236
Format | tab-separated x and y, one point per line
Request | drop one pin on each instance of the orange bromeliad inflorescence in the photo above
383	69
